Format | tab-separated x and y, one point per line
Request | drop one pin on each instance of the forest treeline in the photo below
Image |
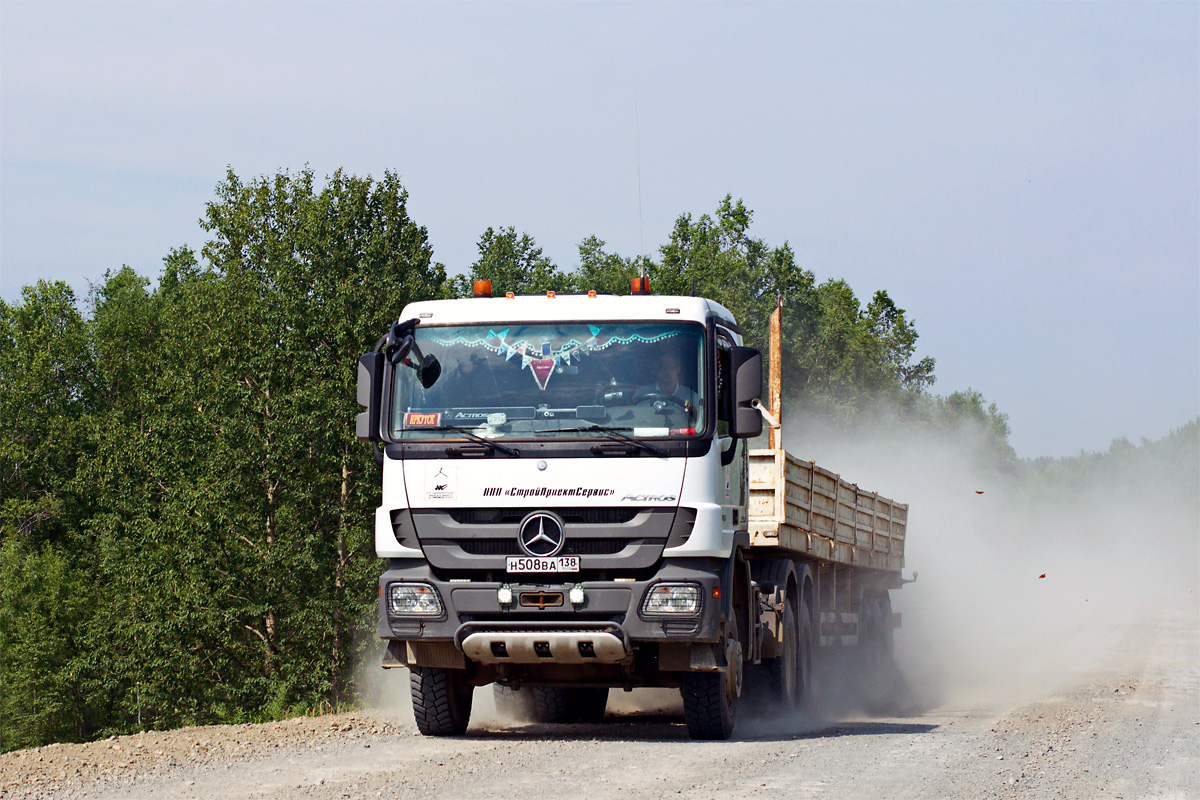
186	516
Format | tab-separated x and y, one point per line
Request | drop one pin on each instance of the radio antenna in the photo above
637	135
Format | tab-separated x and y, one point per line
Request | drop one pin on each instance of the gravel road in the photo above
1130	729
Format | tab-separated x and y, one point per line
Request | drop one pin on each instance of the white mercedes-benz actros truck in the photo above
570	505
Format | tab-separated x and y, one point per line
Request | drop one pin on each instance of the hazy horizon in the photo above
1023	179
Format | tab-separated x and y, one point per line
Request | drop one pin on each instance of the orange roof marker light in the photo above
550	295
641	286
509	295
483	288
591	292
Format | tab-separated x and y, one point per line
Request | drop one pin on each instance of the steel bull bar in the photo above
544	642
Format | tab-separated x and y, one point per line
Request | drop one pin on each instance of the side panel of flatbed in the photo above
800	507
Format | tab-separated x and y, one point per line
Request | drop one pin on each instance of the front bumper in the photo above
474	608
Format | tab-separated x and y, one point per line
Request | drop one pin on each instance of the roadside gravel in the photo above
81	770
1131	730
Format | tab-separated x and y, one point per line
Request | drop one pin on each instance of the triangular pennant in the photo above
542	370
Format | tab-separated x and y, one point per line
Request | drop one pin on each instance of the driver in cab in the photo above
667	369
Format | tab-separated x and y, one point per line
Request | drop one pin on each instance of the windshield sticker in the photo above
542	359
441	482
416	419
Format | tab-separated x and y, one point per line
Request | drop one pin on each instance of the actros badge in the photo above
541	534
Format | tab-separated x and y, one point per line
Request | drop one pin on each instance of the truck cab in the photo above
564	505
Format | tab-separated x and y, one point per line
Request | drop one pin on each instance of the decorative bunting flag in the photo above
541	358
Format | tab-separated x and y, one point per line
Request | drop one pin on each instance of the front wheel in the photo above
441	700
708	709
710	698
551	704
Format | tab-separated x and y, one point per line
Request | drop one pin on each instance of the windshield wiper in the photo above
470	434
616	433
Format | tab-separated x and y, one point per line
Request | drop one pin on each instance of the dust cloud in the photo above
385	692
982	627
1024	587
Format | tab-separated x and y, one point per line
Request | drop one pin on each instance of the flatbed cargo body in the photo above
806	510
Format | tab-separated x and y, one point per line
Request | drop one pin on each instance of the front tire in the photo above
441	700
550	704
707	707
710	698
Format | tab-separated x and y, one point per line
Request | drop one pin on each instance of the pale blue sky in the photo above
1023	178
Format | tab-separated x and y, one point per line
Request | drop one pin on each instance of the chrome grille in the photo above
573	547
513	516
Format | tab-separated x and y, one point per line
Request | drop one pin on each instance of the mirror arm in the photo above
766	415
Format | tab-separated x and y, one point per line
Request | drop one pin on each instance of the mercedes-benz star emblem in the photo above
541	535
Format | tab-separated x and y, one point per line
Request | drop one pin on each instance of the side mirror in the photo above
398	351
399	341
746	365
429	371
370	396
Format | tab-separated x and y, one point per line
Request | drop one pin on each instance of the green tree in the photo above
838	358
187	516
968	411
48	397
46	606
303	278
847	358
604	272
45	369
513	263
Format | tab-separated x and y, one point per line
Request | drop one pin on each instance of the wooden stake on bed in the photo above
775	372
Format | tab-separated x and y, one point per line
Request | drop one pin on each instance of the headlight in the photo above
672	598
414	600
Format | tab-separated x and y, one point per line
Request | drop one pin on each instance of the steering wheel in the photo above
613	394
659	397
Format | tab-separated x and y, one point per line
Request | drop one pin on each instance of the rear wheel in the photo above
804	657
441	700
887	634
868	631
884	690
784	671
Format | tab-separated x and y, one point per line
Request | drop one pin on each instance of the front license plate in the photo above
555	564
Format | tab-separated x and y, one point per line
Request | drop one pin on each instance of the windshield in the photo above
542	380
